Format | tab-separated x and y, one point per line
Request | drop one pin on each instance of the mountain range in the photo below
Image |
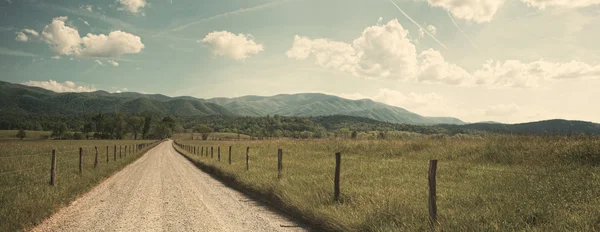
16	98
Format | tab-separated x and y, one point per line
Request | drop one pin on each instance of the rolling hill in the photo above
18	98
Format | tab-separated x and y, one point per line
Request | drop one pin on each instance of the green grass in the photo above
12	134
26	197
489	184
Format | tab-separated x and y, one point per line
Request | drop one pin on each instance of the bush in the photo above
78	136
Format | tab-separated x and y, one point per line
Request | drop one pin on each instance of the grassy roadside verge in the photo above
490	184
268	197
26	198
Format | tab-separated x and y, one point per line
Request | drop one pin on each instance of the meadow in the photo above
26	197
494	183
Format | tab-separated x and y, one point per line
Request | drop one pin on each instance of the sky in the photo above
478	60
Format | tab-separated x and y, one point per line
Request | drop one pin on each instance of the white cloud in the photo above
133	6
113	63
479	11
542	4
237	47
65	40
115	44
89	8
502	110
384	51
380	52
85	22
21	37
99	62
432	29
55	57
67	86
421	33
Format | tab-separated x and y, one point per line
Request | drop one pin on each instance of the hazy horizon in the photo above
495	60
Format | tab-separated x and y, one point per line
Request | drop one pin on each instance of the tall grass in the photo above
26	197
500	183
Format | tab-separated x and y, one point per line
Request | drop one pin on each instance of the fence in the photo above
430	178
55	165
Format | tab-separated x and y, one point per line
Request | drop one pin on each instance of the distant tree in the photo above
60	131
306	135
135	125
169	122
147	124
78	136
344	132
162	131
354	135
21	134
120	126
204	130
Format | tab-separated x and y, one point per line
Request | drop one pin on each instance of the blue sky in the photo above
478	60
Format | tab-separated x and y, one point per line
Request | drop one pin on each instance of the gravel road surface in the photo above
162	191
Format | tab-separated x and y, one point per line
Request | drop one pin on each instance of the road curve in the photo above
162	191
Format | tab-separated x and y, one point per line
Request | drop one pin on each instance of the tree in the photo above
354	135
135	124
162	131
169	122
60	131
147	123
204	130
344	133
120	126
21	134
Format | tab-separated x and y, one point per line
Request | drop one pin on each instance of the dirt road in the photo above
162	191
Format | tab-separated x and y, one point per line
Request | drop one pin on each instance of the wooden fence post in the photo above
279	162
247	158
115	154
202	151
53	168
120	152
219	153
80	160
432	194
336	180
229	154
125	151
211	152
96	160
194	150
107	154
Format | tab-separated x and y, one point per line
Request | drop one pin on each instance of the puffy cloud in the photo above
133	6
55	57
237	47
432	29
115	44
502	110
542	4
99	62
113	63
383	51
67	86
65	40
21	37
479	11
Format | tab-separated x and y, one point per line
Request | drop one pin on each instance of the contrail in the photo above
223	15
418	25
463	32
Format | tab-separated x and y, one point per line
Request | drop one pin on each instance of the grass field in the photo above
213	136
12	134
26	197
489	184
